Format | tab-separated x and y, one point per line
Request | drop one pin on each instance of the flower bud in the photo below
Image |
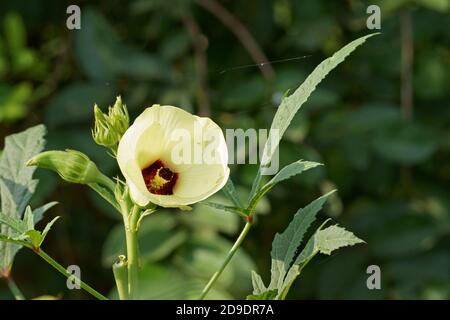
102	133
109	128
73	166
118	117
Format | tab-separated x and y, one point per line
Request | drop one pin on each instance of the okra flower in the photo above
172	158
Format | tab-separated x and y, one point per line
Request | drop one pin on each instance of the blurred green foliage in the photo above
393	174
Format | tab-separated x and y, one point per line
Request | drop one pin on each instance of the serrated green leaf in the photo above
24	229
28	219
16	225
38	213
14	240
267	295
222	207
324	241
16	183
285	245
291	170
284	174
46	230
333	238
308	252
21	237
258	284
292	103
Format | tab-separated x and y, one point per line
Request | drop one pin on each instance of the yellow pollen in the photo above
158	181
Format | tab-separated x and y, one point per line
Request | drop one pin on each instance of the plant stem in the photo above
62	270
230	255
14	289
132	251
121	277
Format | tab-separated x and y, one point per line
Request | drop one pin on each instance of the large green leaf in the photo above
23	229
285	245
324	241
38	213
225	208
287	263
292	103
16	182
16	225
333	238
258	284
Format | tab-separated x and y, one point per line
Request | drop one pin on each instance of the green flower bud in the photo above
118	117
73	166
102	133
109	128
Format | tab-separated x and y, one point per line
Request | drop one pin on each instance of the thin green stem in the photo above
14	289
131	237
230	255
107	182
67	274
284	293
121	277
105	194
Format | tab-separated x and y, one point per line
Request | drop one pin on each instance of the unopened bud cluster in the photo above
109	128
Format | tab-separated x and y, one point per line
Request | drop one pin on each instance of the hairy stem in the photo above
230	255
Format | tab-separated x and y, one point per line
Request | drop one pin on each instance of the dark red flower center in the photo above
159	179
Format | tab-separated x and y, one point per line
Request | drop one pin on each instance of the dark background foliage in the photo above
385	147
